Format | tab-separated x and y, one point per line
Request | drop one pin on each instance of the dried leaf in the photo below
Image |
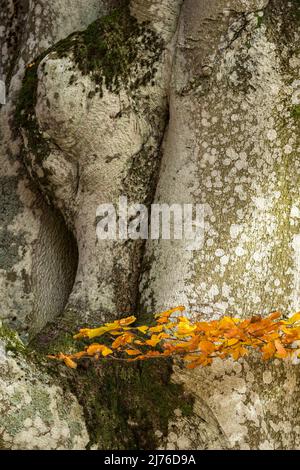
133	352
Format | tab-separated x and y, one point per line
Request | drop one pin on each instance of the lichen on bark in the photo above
231	144
37	410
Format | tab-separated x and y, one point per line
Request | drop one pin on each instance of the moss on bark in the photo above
115	51
125	403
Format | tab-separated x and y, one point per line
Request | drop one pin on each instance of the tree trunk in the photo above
195	101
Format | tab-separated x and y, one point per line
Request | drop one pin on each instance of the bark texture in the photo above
197	101
36	411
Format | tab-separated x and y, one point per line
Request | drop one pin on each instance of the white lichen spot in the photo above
219	252
239	251
267	377
272	135
295	212
224	260
235	230
258	256
213	291
172	437
288	149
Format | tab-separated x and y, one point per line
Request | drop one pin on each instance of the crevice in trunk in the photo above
54	269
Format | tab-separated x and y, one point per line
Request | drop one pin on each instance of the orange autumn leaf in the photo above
274	316
167	313
281	351
237	351
133	352
98	349
78	355
207	347
153	354
268	351
154	340
162	320
197	342
164	316
201	361
68	361
226	322
122	340
127	321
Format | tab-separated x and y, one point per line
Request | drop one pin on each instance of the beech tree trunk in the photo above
197	101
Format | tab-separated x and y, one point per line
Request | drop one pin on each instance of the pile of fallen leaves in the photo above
198	343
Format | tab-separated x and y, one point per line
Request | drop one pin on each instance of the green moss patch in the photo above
296	111
126	403
25	117
11	340
115	51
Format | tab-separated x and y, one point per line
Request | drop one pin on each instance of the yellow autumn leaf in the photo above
127	321
106	351
143	329
70	363
185	328
96	332
98	349
232	342
156	329
295	318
